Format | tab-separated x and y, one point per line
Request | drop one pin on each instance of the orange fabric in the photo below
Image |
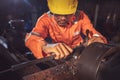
46	25
35	43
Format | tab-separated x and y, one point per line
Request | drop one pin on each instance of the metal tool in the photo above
27	63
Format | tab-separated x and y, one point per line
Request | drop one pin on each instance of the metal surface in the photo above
85	67
27	64
91	60
6	60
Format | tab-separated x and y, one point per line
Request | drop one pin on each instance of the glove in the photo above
95	39
60	50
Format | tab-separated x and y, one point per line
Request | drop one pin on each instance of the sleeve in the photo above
35	39
87	25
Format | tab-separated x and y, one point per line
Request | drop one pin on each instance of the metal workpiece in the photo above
94	63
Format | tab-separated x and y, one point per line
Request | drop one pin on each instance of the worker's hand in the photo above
60	50
95	39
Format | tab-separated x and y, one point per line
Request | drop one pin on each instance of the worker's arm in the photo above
94	36
36	43
35	39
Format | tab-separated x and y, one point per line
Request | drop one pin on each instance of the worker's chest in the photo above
65	35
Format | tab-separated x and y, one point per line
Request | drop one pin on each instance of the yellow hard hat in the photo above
62	7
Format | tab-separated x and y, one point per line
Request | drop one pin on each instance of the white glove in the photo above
60	50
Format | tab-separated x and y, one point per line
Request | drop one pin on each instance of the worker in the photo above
64	24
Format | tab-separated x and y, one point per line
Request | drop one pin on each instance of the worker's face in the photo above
63	20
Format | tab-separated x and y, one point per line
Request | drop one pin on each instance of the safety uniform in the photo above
70	35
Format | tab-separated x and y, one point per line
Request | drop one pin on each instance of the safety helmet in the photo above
62	7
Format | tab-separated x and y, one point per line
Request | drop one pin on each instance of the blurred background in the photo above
104	14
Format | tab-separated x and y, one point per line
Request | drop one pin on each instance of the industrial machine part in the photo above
7	59
97	62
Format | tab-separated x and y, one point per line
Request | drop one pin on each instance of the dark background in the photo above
104	14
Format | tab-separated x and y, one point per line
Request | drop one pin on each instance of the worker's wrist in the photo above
96	35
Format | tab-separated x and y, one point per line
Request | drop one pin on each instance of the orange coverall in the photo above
70	35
